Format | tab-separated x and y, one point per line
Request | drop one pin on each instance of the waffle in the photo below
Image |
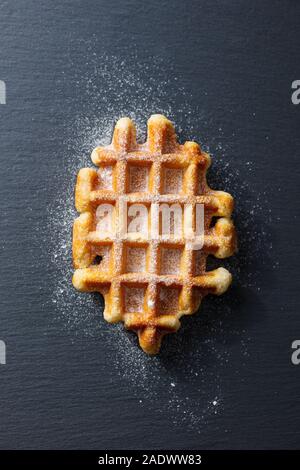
149	283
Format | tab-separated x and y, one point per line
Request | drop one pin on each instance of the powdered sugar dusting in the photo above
105	174
114	88
138	178
170	260
135	259
134	298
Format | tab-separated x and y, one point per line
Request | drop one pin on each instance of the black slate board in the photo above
63	389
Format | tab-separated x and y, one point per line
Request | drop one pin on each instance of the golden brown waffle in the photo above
149	283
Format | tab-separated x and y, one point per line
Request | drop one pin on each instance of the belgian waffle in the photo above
149	283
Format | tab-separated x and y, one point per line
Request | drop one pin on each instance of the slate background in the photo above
58	393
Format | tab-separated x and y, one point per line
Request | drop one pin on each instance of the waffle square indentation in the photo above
199	262
135	259
168	300
134	299
170	259
102	257
105	177
105	220
172	180
138	220
138	178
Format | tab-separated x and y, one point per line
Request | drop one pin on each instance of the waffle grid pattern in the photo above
149	283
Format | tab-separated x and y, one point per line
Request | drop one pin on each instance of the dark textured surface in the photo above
238	60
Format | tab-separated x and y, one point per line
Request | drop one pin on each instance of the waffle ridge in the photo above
149	284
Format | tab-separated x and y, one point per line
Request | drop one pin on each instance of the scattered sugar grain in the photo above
115	88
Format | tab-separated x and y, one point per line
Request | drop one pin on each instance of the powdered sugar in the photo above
105	174
114	88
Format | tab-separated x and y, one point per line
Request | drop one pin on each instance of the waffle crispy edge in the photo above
192	282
